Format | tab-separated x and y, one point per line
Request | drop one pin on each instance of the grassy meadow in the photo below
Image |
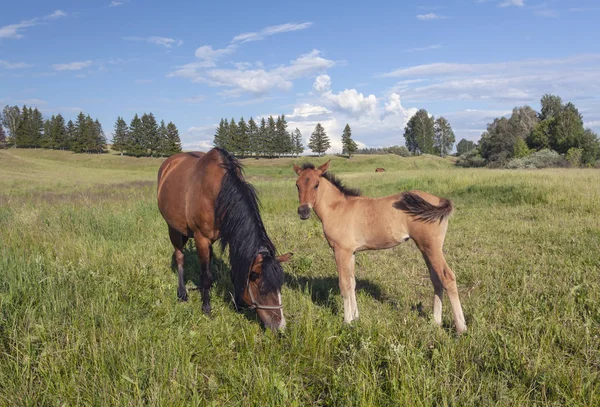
89	313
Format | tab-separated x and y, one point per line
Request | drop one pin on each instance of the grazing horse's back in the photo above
187	178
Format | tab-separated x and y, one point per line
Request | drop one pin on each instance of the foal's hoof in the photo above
182	296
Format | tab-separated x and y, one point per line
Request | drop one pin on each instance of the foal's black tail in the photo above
414	205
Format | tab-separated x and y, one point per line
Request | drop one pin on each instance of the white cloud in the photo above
351	101
115	3
430	16
72	66
518	3
306	110
272	30
255	81
593	123
155	40
14	65
427	48
15	30
208	56
443	68
322	83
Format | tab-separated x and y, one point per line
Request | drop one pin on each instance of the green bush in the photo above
471	159
540	159
574	156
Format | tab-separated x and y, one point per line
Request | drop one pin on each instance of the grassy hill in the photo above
89	313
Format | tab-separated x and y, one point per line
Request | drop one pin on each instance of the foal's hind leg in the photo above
442	276
204	249
179	241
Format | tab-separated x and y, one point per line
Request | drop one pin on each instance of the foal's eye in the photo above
253	276
317	186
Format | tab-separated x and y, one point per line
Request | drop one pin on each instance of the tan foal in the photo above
352	223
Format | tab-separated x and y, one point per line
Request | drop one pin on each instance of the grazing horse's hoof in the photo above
182	296
206	309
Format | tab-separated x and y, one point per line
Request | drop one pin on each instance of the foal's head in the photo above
308	185
263	289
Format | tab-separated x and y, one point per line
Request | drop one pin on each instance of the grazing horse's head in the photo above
263	289
308	185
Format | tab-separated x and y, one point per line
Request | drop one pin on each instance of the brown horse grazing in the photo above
379	169
353	223
204	196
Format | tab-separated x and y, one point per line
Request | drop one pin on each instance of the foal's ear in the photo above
285	257
323	168
297	169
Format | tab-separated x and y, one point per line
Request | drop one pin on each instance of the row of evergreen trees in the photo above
145	138
28	129
268	138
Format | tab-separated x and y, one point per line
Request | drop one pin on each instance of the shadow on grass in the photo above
221	273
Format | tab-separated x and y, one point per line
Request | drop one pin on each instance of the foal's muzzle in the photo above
304	212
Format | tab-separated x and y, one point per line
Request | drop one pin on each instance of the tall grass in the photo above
89	312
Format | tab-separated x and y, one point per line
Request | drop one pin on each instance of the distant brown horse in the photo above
379	169
204	196
353	223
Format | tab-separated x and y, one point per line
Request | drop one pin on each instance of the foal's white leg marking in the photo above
353	289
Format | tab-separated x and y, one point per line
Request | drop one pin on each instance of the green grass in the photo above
89	313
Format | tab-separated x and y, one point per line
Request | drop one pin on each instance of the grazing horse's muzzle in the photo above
304	212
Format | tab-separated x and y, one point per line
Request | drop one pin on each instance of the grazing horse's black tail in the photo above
241	227
414	205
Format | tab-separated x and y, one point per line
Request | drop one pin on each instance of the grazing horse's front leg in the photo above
203	247
344	260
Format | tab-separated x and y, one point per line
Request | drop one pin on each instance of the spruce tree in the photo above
262	137
319	142
232	136
119	141
46	139
348	145
243	139
253	140
78	144
134	143
220	139
173	142
37	128
150	139
99	138
162	135
58	133
282	140
297	142
270	142
71	134
22	130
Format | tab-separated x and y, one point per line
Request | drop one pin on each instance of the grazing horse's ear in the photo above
297	169
285	257
323	168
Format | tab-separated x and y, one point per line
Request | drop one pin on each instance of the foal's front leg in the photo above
344	260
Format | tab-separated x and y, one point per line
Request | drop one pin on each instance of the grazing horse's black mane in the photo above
242	229
335	181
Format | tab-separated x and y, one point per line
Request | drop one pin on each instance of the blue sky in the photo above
370	64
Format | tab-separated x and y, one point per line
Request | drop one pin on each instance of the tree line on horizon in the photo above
145	138
424	134
26	128
270	138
